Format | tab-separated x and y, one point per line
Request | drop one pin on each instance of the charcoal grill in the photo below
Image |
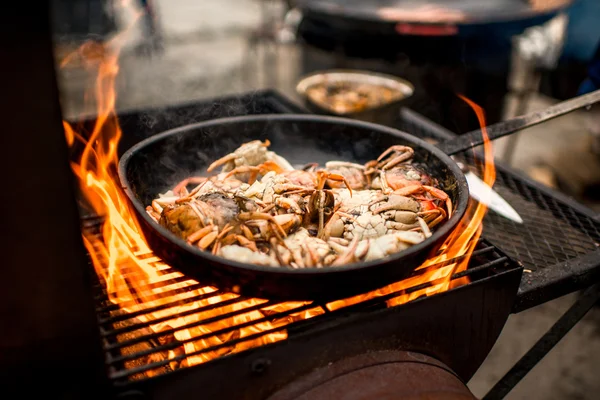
61	347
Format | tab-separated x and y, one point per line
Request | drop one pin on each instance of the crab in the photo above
243	254
354	174
250	154
401	176
428	195
275	188
199	220
301	250
369	215
393	156
221	182
371	249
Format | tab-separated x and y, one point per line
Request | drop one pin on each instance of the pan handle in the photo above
474	138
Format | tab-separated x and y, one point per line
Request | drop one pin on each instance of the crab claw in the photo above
288	222
400	203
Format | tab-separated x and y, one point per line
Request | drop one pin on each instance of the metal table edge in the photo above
561	279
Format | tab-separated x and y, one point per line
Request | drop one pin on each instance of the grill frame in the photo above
543	284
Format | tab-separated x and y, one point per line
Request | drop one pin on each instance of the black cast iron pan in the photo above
158	163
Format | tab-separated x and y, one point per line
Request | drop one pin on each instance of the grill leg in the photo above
545	344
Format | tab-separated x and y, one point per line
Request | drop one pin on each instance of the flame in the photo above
120	253
135	280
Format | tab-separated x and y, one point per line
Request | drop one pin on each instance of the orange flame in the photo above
133	276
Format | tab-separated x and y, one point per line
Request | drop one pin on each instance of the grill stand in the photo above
578	310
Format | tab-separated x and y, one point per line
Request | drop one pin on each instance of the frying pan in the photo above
158	163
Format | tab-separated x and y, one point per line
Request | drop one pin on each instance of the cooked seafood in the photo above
258	209
344	97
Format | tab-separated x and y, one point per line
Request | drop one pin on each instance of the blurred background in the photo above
509	56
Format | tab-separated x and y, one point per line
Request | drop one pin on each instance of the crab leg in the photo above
334	164
406	153
221	161
157	207
230	157
191	195
248	216
324	175
385	187
440	194
263	168
194	237
349	255
424	227
153	214
312	256
436	221
254	171
184	183
207	240
246	243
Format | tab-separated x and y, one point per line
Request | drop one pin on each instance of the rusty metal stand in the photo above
546	343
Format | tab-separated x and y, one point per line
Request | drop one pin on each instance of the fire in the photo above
132	275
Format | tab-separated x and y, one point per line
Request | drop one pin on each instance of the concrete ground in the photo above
207	54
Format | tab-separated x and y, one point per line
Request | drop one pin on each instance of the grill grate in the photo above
140	339
554	233
558	243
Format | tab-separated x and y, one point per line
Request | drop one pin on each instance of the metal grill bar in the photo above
206	321
480	268
180	302
163	295
199	310
232	328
